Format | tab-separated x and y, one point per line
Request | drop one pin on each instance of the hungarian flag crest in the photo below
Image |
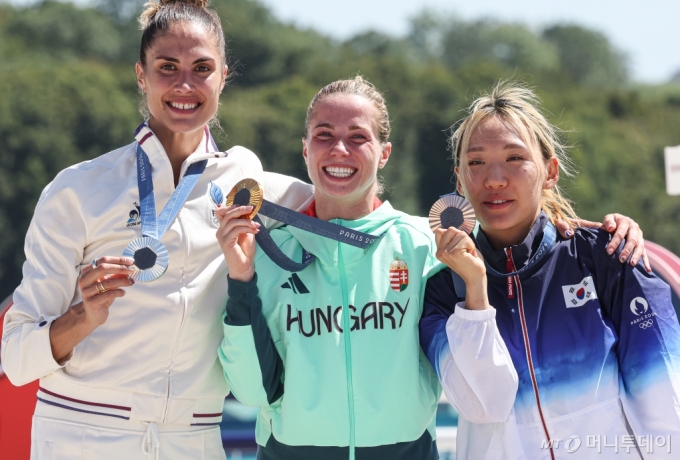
398	275
576	295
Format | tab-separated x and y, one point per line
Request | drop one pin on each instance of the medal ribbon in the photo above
547	243
151	225
310	224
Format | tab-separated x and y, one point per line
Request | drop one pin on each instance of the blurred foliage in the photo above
587	56
69	94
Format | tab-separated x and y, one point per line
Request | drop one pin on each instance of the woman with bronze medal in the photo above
119	316
329	347
595	342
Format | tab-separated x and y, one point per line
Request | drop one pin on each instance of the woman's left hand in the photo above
457	250
622	227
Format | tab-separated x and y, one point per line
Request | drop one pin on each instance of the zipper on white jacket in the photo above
515	282
185	310
346	327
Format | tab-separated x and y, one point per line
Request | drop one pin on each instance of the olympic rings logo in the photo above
646	324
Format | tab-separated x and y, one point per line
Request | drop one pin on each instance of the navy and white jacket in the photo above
596	345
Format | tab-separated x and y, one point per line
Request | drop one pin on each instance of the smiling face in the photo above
503	175
182	78
343	153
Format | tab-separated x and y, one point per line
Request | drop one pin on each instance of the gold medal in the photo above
452	211
247	192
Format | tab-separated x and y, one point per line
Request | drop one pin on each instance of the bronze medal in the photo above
452	211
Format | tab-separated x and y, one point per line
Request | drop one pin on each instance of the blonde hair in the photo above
519	107
359	87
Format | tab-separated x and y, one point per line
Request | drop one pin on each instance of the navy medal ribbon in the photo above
302	221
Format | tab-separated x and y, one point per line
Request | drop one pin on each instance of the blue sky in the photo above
648	31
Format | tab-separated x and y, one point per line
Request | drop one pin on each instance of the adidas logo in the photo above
296	284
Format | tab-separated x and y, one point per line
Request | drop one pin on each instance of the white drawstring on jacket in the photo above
151	441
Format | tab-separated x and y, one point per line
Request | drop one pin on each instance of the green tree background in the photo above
69	95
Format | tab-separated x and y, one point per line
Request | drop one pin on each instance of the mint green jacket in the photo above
324	393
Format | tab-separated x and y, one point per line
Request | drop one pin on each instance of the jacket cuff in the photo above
34	336
473	315
241	297
45	323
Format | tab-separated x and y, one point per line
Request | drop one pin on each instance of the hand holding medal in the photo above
452	218
237	229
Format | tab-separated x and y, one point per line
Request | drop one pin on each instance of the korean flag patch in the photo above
576	295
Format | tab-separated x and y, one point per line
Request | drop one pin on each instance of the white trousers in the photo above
61	434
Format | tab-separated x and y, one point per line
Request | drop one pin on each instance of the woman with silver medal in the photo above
124	345
128	369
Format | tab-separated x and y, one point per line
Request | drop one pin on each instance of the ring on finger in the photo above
100	287
94	263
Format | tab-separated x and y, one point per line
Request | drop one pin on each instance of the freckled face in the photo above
182	78
343	150
503	176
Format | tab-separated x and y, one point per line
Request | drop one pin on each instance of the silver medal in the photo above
151	258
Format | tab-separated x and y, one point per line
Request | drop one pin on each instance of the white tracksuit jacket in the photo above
154	360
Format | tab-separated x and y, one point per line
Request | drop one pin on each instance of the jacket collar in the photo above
154	149
311	209
521	253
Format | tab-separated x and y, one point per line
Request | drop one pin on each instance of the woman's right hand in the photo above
99	288
102	285
237	240
457	250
